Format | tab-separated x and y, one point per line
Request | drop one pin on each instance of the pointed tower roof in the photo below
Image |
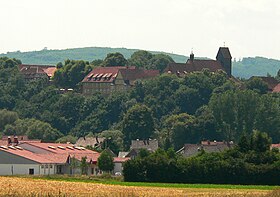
225	52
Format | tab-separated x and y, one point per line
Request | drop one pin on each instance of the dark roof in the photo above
109	74
271	81
225	52
28	69
192	149
150	145
134	74
89	141
195	65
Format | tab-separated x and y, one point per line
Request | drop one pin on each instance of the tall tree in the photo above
138	123
114	59
71	73
105	161
140	58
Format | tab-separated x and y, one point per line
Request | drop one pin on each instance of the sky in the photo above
248	27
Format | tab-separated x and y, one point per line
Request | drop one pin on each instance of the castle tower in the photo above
224	57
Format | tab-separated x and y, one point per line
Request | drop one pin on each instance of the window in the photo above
50	166
46	166
31	171
42	166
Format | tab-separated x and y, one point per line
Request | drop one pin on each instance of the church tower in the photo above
224	57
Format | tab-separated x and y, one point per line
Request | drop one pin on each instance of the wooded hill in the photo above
245	68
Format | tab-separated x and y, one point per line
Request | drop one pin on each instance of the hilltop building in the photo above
110	79
33	72
222	62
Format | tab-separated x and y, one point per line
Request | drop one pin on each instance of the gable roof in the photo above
194	65
39	158
193	149
150	145
29	69
89	141
109	74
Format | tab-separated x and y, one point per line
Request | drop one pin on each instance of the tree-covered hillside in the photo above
87	53
257	66
251	66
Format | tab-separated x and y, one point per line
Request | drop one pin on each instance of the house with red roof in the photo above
276	89
33	72
272	83
110	79
49	158
222	63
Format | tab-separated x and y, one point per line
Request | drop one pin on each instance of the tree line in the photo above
250	162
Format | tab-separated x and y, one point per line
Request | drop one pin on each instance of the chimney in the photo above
15	140
9	141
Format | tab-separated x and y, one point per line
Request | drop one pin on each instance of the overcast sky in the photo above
248	27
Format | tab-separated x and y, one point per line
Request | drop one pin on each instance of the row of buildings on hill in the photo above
121	78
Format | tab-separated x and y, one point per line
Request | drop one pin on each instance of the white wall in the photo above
23	169
17	169
118	167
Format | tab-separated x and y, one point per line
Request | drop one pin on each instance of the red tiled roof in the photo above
97	74
275	145
195	65
121	160
56	153
109	74
60	148
134	74
276	88
50	71
46	158
41	69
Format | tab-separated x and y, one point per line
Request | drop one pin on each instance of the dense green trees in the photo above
105	161
200	106
114	59
256	165
138	123
243	111
148	60
34	129
7	117
72	72
257	84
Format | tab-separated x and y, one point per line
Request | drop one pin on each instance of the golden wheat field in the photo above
13	186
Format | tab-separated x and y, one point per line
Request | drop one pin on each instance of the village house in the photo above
90	141
272	83
33	72
49	158
222	62
110	79
136	145
189	150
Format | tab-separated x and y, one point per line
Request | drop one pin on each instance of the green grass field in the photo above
118	181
